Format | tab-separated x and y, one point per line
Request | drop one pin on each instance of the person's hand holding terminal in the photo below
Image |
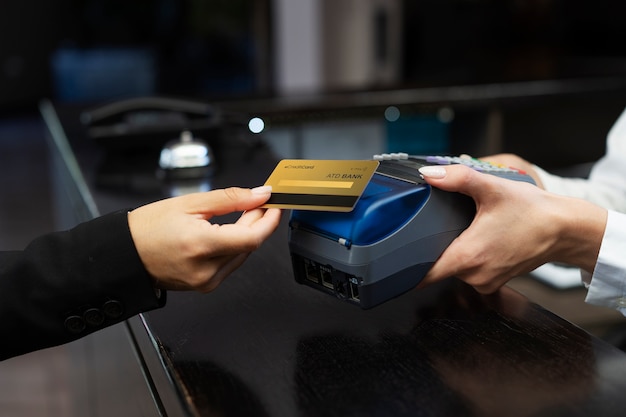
517	228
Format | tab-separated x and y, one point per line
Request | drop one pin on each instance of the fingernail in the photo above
433	171
264	189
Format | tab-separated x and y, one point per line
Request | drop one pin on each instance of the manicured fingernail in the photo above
433	171
264	189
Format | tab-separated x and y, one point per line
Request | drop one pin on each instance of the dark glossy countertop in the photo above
263	345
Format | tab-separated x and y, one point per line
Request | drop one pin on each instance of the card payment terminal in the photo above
387	243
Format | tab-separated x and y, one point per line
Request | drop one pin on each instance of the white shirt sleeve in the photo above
608	282
606	185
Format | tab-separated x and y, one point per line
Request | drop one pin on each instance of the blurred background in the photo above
467	75
330	79
102	49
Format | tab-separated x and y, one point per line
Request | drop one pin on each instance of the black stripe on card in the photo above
313	200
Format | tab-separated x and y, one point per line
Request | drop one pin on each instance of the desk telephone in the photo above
149	122
388	242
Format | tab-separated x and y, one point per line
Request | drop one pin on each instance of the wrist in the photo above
582	230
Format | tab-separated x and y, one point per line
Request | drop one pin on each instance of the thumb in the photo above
226	200
456	178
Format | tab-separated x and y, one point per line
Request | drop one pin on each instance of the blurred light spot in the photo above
256	125
392	113
445	115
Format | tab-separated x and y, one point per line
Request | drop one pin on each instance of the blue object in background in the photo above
81	75
418	135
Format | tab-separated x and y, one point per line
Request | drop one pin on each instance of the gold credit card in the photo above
325	185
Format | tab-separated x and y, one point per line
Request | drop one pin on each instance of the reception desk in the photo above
263	345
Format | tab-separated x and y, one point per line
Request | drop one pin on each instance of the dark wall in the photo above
29	30
477	41
199	47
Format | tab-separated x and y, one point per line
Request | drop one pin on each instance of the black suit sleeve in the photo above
66	285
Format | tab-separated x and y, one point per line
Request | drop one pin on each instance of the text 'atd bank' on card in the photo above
325	185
